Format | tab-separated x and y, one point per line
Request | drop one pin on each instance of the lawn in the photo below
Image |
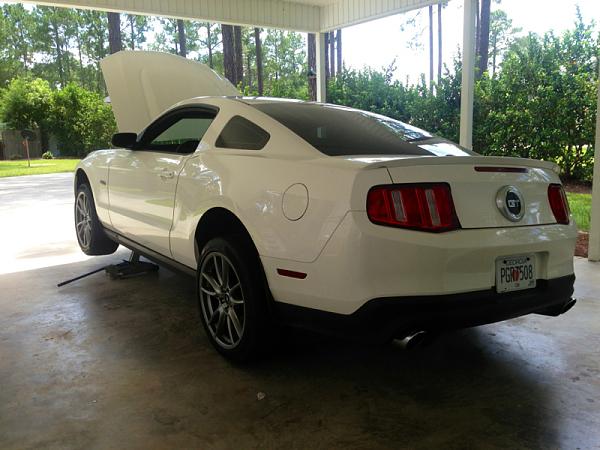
580	207
38	166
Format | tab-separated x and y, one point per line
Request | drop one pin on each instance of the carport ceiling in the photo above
297	15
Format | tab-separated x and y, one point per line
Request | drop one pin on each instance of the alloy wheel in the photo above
222	300
83	219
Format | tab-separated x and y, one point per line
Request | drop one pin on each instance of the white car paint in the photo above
306	211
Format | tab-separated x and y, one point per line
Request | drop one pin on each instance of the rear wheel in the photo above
90	234
232	296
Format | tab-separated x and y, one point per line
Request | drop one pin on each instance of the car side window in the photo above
180	131
185	129
240	133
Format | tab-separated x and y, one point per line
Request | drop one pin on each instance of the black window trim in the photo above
170	118
235	116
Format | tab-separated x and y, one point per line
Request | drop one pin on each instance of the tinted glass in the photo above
337	131
184	130
240	133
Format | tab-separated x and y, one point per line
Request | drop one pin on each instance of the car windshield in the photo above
340	131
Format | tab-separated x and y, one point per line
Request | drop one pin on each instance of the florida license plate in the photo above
514	273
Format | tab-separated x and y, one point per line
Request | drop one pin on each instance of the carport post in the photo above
468	75
321	75
594	237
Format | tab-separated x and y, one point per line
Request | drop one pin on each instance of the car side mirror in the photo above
124	140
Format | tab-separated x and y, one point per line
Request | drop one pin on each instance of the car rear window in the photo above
341	131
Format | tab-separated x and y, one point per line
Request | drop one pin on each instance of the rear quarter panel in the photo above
252	187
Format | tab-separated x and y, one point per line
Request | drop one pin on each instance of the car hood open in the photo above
142	85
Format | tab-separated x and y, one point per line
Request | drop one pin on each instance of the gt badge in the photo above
510	203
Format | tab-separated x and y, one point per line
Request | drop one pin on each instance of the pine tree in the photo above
228	53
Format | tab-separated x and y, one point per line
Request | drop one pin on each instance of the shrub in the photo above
81	120
47	155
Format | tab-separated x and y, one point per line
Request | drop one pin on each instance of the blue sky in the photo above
386	41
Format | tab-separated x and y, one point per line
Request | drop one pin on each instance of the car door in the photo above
142	181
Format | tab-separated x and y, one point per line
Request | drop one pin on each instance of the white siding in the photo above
344	13
263	13
299	15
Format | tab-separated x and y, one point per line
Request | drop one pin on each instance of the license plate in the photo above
514	273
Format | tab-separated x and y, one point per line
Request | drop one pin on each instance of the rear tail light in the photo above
423	206
559	203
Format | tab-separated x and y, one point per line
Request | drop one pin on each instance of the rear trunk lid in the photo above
477	182
142	85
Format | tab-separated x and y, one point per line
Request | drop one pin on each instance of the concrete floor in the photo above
124	364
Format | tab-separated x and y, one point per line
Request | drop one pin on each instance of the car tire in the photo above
90	233
233	298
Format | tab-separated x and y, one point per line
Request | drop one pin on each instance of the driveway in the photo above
36	217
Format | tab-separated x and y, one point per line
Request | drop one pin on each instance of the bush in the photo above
541	104
47	155
26	103
79	118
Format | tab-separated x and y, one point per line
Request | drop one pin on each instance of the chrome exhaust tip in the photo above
568	305
410	342
557	311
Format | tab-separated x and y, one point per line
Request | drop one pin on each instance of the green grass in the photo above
38	166
580	207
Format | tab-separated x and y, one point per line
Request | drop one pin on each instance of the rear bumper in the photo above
363	261
382	319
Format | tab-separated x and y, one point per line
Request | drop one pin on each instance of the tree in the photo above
210	41
80	120
284	64
181	38
17	29
331	54
238	59
174	33
26	103
501	36
327	72
259	61
484	37
115	43
312	66
134	30
339	51
228	53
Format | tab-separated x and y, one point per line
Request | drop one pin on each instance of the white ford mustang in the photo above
318	215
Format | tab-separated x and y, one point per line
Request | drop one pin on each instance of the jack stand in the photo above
131	268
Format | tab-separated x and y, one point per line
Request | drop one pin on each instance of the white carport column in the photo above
321	75
594	241
468	75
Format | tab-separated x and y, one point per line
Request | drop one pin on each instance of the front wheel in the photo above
233	298
90	234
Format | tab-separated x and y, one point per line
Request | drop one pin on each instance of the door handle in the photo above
166	174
